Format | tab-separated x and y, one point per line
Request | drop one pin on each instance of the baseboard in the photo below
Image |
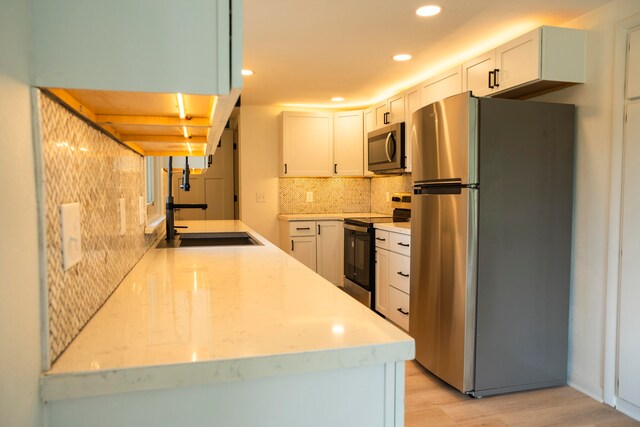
628	409
583	388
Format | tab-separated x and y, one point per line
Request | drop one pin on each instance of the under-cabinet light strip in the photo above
181	106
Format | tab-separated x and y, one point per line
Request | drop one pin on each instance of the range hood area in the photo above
122	64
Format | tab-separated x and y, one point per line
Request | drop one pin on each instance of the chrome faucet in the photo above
171	207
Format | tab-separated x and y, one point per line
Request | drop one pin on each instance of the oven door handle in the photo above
355	228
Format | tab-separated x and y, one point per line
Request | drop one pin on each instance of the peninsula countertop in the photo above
201	315
329	216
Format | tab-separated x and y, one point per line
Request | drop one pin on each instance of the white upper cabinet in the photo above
189	46
443	85
389	112
369	125
321	144
348	153
542	59
412	103
306	144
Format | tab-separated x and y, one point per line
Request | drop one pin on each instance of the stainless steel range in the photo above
359	250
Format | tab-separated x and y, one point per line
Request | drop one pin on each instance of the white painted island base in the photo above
368	396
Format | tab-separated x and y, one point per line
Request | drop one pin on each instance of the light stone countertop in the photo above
339	216
396	227
203	315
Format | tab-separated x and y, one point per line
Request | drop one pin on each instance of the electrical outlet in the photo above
123	216
142	211
71	235
261	198
309	196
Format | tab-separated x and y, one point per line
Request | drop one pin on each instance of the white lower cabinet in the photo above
392	276
316	244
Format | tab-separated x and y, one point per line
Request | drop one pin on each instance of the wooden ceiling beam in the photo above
163	139
122	120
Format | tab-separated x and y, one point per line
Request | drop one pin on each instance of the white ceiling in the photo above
307	51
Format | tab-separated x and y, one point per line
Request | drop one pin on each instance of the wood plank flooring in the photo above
431	402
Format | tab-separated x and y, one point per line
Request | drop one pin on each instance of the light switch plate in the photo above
142	211
71	235
261	198
309	196
123	216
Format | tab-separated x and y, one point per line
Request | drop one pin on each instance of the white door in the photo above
304	250
633	62
518	61
382	281
218	180
196	194
347	143
396	109
307	140
475	74
329	255
380	116
629	336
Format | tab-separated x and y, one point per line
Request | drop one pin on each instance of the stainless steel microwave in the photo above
386	149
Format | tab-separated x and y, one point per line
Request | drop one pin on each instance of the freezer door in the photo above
443	282
444	141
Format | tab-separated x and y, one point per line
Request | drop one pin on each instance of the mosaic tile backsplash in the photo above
340	195
83	165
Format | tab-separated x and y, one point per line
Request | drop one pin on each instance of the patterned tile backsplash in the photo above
338	195
81	164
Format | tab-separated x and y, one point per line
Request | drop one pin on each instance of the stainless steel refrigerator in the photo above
491	242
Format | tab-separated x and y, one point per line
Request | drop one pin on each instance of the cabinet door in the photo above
395	107
475	74
518	61
379	117
330	237
369	125
412	103
382	281
347	143
399	308
307	144
442	86
304	250
629	344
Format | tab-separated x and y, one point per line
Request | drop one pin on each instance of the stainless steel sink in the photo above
234	238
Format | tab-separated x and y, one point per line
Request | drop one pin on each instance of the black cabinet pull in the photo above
303	228
318	229
406	313
335	168
285	168
386	118
495	77
406	245
381	239
292	245
491	73
402	274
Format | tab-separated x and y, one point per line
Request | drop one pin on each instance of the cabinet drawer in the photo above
399	271
382	239
399	243
398	310
302	228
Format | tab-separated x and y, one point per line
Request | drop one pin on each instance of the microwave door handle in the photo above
386	146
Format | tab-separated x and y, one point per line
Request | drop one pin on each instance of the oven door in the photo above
357	255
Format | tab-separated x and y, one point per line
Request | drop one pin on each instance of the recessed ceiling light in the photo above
337	99
430	10
402	57
246	72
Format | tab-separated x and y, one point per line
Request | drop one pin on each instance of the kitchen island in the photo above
229	336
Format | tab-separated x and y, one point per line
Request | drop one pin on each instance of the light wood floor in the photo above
431	402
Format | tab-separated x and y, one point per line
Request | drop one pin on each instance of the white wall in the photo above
258	151
592	192
19	285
